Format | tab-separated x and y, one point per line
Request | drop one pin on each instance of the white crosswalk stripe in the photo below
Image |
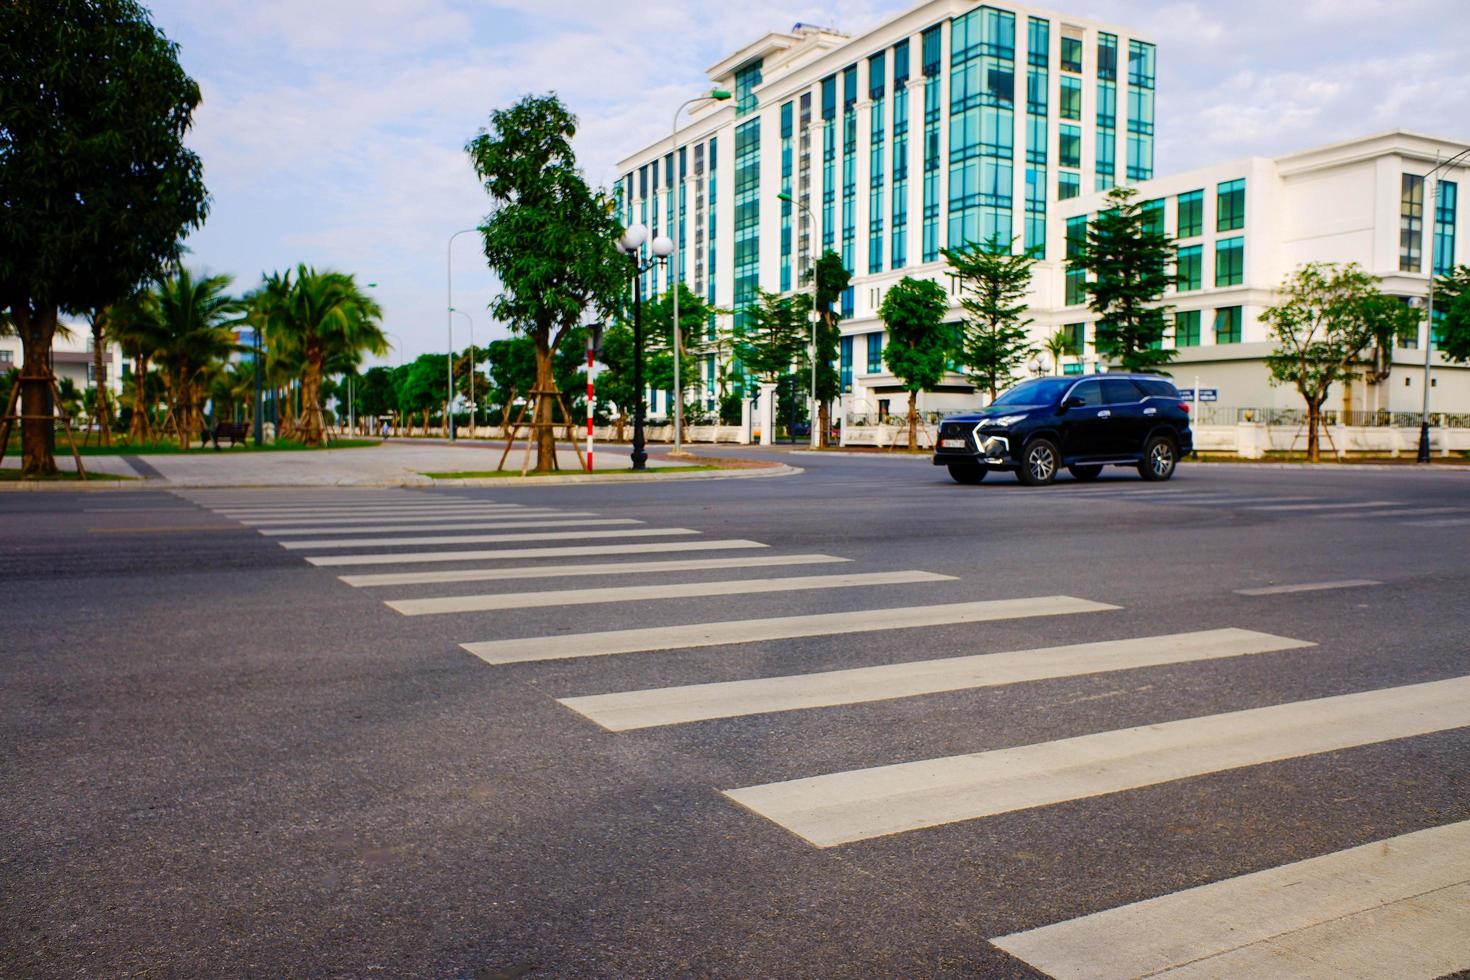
562	551
843	807
1392	909
1366	504
414	510
591	570
784	627
646	593
1350	583
558	521
1444	522
1406	512
399	518
701	702
642	532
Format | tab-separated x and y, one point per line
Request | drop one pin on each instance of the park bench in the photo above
233	431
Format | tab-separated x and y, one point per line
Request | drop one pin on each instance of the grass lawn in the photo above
516	474
13	476
167	448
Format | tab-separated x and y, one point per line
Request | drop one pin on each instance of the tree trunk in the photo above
139	429
621	424
913	421
1314	415
824	423
311	390
37	329
103	410
545	401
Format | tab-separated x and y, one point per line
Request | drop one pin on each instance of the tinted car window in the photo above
1120	391
1043	391
1157	389
1089	391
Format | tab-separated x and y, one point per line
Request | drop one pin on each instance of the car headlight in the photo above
1005	420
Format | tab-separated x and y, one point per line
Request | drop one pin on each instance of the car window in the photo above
1120	391
1043	391
1089	391
1157	388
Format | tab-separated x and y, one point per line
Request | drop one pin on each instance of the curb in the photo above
925	455
42	486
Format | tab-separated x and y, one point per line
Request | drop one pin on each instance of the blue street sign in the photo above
1209	394
1187	394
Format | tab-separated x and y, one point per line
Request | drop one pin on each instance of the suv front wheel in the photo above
1039	463
1159	459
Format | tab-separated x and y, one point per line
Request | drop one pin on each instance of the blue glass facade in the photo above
1448	194
898	255
746	266
1106	167
981	126
849	179
932	43
829	159
1140	110
1038	61
877	149
786	206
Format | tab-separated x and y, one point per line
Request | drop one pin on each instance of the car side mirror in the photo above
1073	402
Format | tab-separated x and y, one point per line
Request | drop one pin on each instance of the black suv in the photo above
1084	424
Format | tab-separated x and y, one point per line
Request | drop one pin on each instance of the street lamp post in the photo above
717	95
812	219
471	322
259	401
1432	199
635	235
449	327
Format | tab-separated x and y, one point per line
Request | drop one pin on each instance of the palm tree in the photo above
196	319
1058	345
326	322
134	326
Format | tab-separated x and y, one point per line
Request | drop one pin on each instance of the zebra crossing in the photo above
1271	505
1411	891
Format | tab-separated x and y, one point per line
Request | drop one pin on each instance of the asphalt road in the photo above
221	758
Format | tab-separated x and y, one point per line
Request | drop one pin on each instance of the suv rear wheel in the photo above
968	473
1159	459
1039	463
1085	474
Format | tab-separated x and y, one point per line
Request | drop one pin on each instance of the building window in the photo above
898	251
849	176
1076	334
1227	325
1153	217
1230	206
747	78
1076	281
1076	236
1069	150
1186	328
932	44
747	217
1141	64
1069	185
7	357
981	126
1411	222
1189	268
1191	214
1038	56
877	153
1035	230
1230	261
1444	227
845	354
787	128
709	297
1072	55
1071	98
1107	133
875	352
1140	110
710	386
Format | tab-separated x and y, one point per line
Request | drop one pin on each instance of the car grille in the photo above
957	430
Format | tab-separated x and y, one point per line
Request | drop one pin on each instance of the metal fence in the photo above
1227	415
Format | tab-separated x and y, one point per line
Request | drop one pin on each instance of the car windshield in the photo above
1042	391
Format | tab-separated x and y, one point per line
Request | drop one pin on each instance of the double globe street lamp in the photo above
662	247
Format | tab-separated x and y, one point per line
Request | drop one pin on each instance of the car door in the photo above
1126	424
1083	421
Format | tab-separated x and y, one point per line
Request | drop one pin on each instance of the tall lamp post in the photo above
631	240
259	401
714	95
472	365
1433	200
449	327
812	218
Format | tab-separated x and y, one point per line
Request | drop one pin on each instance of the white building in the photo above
1243	227
71	357
954	122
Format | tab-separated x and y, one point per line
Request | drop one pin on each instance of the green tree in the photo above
658	338
919	343
1327	317
97	183
327	323
994	281
615	381
831	279
1452	310
551	238
195	334
1058	345
774	338
133	325
512	372
423	388
1127	265
376	393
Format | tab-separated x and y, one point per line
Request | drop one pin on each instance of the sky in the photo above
333	131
